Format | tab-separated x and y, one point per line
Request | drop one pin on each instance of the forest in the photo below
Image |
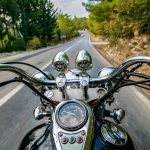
26	24
116	19
34	24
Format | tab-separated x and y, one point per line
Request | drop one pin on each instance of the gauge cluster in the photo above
73	125
71	115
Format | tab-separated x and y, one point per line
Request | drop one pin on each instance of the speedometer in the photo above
71	115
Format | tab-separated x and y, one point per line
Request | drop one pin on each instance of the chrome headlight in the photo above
83	61
61	62
71	115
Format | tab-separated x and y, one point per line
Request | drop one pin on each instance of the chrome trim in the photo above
113	134
83	61
138	58
61	62
130	62
88	128
67	127
49	94
25	75
119	115
61	81
40	112
84	80
118	71
106	72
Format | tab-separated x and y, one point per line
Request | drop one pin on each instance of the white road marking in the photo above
117	103
20	86
10	94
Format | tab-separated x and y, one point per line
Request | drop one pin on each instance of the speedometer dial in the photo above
71	115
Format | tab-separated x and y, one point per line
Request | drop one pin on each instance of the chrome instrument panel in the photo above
71	115
79	139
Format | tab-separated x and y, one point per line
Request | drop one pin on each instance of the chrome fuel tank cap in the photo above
113	134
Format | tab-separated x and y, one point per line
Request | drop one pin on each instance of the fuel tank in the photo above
39	138
110	136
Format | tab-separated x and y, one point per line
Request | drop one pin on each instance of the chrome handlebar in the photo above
118	71
27	76
130	62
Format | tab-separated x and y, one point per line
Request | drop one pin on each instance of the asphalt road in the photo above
17	101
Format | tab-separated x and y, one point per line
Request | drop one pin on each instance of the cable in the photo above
23	63
133	83
16	79
139	75
54	103
19	79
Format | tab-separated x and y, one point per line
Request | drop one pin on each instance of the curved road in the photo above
17	101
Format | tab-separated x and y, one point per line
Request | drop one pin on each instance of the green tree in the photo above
2	33
69	27
38	18
46	19
9	16
80	23
118	19
66	25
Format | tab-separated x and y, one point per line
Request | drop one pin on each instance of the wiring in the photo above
23	63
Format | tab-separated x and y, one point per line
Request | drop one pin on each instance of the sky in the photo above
71	7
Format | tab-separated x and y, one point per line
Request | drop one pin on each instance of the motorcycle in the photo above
75	104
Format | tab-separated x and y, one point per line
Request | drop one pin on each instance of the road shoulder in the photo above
140	92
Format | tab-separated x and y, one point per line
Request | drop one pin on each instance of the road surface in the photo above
17	101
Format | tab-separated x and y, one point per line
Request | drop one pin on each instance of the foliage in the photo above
35	22
26	19
19	44
119	18
16	45
66	25
38	18
34	43
69	27
57	34
80	23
